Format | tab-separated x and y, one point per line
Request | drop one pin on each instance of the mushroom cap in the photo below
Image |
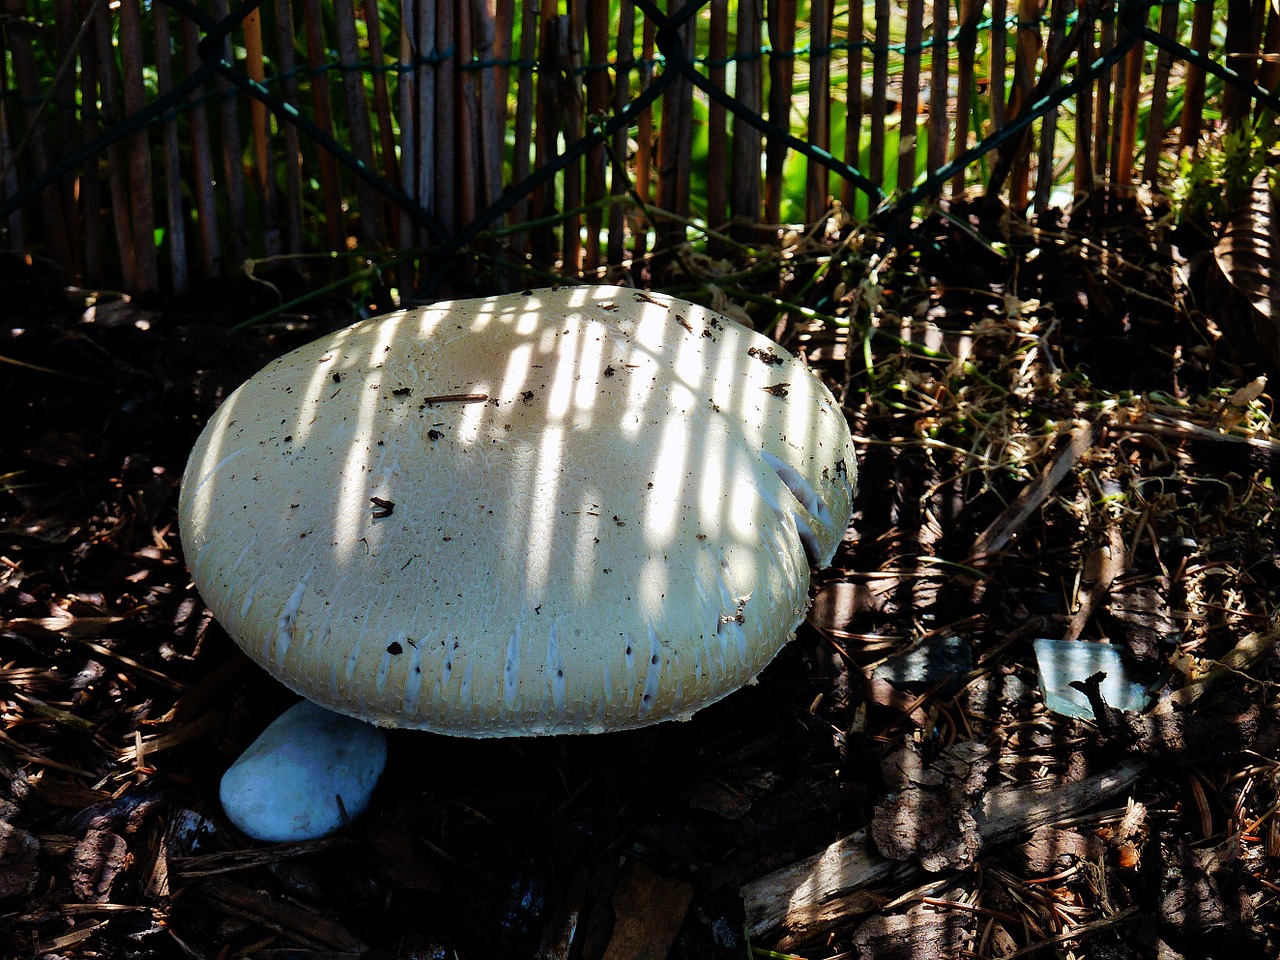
563	511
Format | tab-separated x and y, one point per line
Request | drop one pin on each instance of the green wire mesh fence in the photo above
153	146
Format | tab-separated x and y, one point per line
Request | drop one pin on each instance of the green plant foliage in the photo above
1211	183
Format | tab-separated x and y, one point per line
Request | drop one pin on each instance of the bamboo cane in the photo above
675	139
619	182
1083	180
176	234
66	29
9	185
326	166
293	240
644	151
939	86
1049	124
570	40
524	117
492	98
390	166
263	174
781	16
53	218
744	197
139	148
1269	71
546	132
717	133
202	168
232	152
1026	54
469	162
1193	89
1241	45
853	102
1102	107
1128	122
879	94
503	15
597	105
406	102
999	62
117	155
1156	122
359	125
817	176
966	60
428	92
443	125
90	191
910	94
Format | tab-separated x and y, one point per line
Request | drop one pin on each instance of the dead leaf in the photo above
1250	392
1246	258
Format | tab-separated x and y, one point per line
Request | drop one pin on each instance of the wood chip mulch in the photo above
1054	444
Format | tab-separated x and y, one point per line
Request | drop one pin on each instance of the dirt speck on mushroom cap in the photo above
567	511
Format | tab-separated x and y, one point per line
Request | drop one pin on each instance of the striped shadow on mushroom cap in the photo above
562	511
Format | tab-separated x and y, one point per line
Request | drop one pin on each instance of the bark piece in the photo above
18	853
96	862
909	936
930	816
1050	850
1251	648
811	922
1183	737
649	909
1205	908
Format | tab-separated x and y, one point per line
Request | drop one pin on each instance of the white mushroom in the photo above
563	511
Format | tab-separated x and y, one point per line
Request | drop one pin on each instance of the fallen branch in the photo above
296	924
1161	425
1078	932
1243	655
801	895
1101	569
1006	526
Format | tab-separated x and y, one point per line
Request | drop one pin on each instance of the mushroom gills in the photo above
808	498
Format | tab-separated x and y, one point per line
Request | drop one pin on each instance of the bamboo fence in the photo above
394	127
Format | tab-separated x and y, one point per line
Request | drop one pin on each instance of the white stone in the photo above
286	786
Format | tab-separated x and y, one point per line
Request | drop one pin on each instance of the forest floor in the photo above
1055	443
